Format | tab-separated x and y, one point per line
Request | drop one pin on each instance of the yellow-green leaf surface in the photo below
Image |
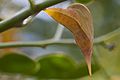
77	18
108	53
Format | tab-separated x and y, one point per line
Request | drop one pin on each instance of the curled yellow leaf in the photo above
77	18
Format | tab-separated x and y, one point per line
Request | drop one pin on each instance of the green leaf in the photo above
83	1
18	63
60	66
82	70
57	66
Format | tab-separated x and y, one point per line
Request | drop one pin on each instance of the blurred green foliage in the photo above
16	63
60	66
106	16
56	66
108	53
52	66
83	1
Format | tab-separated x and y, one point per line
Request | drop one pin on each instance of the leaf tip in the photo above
88	61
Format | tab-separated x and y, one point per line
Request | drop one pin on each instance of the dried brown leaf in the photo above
77	18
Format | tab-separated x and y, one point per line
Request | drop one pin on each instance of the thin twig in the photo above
17	19
37	43
59	32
